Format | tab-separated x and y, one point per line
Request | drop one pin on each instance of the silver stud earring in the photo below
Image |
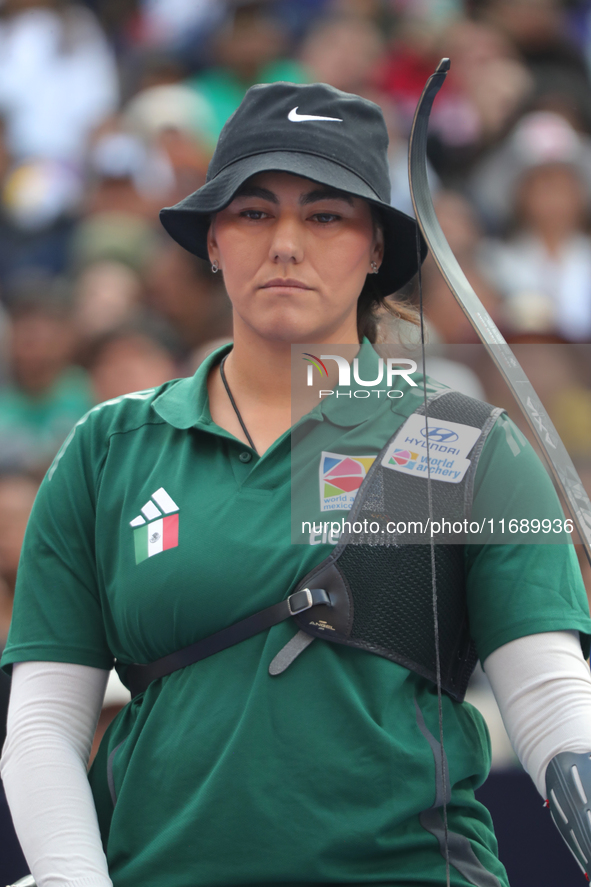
374	267
215	266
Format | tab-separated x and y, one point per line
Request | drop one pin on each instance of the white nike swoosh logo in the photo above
296	118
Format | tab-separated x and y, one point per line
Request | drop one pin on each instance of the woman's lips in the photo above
286	282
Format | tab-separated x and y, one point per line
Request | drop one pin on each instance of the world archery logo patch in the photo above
403	457
340	478
156	529
440	455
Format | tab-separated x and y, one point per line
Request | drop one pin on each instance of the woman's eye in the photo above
254	214
324	218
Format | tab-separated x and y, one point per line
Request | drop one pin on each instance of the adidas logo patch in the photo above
156	529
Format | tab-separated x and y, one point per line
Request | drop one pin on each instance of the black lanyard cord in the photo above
233	402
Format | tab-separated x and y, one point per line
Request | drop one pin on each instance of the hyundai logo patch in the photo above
441	435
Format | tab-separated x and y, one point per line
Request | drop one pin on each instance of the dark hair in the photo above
372	303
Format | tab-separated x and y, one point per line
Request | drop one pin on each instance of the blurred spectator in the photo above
177	123
486	87
5	617
173	106
460	226
172	24
4	152
188	159
182	290
560	374
298	15
398	153
145	69
108	294
17	493
400	184
571	414
562	92
39	198
113	235
250	48
46	394
57	77
169	106
39	192
539	31
488	74
127	174
58	80
128	359
544	268
344	52
538	138
447	318
4	339
113	244
410	59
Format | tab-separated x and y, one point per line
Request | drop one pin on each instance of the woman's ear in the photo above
377	254
212	247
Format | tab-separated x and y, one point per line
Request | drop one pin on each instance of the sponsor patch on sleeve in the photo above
449	446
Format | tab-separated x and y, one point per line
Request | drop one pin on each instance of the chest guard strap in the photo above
381	585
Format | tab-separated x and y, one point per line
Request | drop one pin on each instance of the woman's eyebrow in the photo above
253	191
325	194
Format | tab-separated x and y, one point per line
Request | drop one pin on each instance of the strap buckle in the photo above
295	601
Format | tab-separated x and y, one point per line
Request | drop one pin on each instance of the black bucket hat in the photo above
310	130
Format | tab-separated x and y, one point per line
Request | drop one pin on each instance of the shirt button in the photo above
245	456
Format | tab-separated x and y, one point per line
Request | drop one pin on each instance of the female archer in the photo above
165	520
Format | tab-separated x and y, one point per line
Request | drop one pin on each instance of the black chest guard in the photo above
381	585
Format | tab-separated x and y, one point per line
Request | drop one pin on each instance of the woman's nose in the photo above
287	244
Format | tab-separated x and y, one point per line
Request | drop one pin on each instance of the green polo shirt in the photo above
154	528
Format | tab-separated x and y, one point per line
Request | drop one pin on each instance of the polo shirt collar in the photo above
185	404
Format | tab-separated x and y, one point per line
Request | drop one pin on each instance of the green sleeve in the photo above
57	613
516	588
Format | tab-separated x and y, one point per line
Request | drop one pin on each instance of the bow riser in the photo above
554	451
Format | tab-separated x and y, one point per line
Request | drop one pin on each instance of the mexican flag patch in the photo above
155	532
156	537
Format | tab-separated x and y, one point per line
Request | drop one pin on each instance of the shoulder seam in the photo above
104	458
134	395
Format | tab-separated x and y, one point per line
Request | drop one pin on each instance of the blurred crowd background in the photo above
110	109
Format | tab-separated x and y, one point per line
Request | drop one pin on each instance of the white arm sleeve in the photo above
542	686
53	712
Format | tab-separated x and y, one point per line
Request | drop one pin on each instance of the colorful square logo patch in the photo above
340	478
